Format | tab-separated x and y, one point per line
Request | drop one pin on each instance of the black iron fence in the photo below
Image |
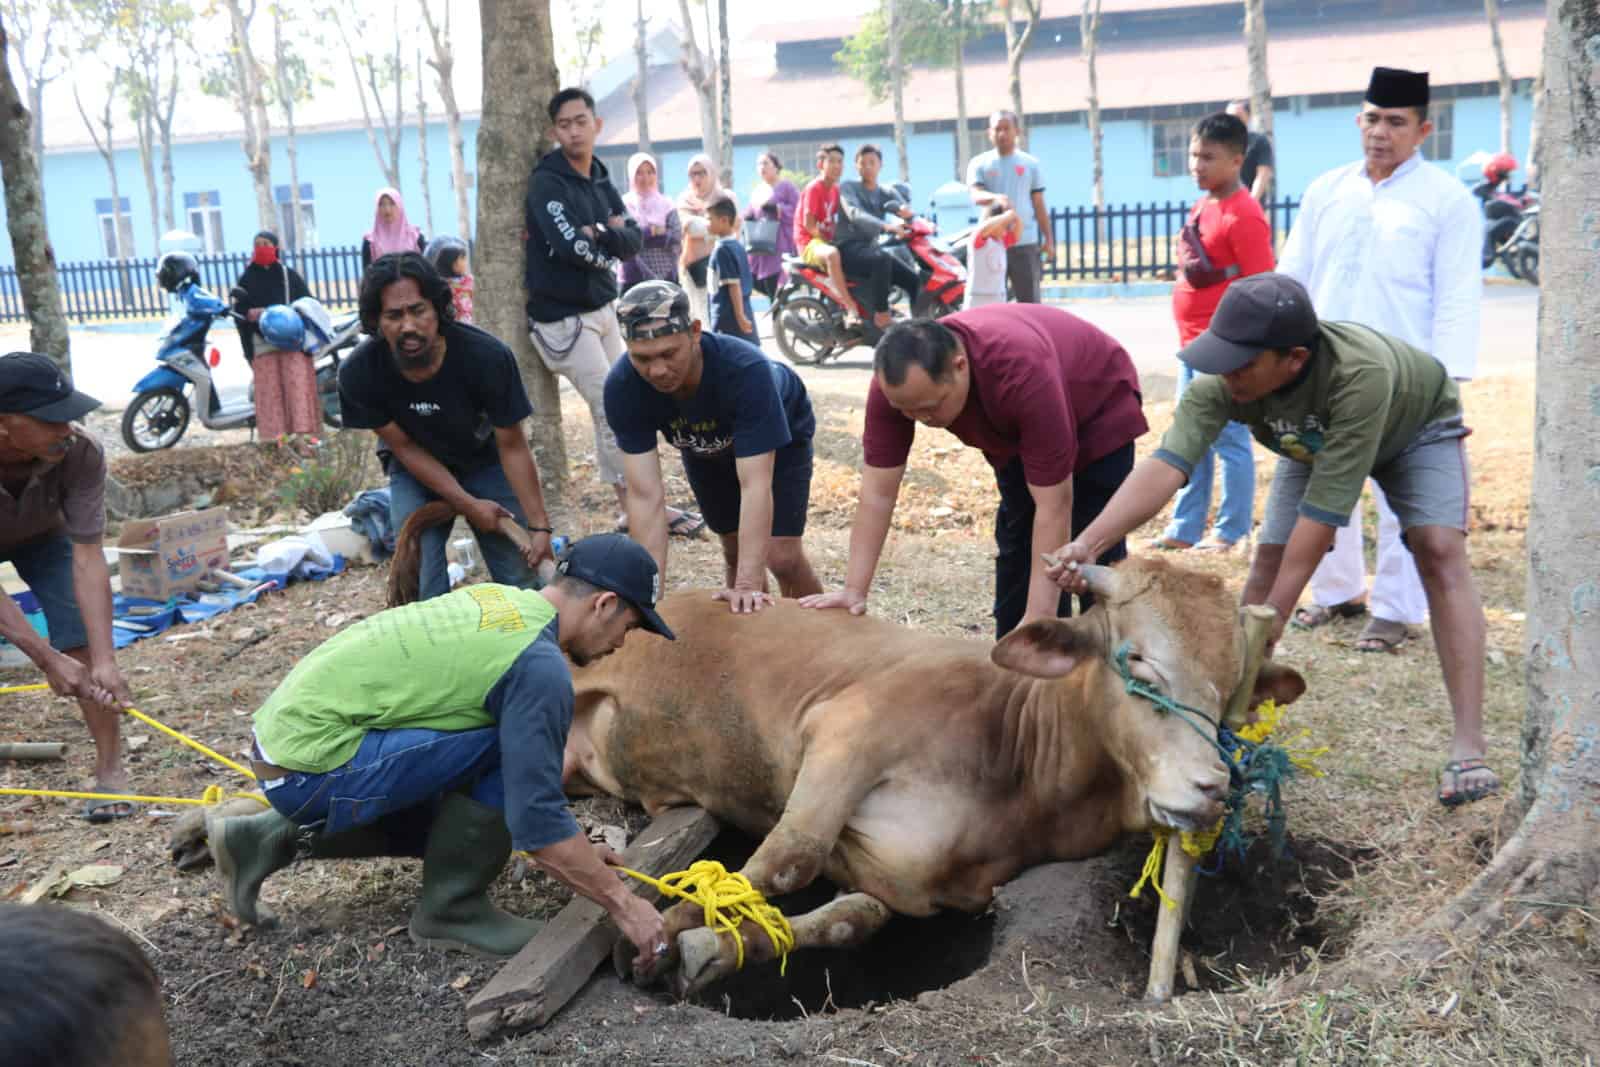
116	289
1132	242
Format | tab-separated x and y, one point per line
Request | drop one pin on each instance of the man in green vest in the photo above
437	730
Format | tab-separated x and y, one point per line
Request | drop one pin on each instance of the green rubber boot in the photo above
467	848
250	848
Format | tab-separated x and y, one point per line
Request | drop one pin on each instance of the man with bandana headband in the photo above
447	403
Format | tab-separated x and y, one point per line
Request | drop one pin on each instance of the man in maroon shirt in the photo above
1051	400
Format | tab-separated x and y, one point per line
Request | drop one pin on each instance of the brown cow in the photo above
916	772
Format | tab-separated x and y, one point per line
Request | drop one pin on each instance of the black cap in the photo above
1391	87
1257	312
30	384
620	565
653	308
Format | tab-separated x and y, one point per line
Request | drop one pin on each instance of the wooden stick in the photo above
538	981
35	750
1178	880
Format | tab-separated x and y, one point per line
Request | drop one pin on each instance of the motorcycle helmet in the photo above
283	328
443	252
175	268
1499	167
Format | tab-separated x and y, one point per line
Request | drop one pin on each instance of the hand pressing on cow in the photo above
744	601
843	598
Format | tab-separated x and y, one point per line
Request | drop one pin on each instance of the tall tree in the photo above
958	34
583	37
700	68
375	74
1089	32
724	98
293	84
248	85
641	80
1552	862
422	148
897	80
34	42
1255	37
519	75
444	64
155	34
1017	40
102	132
1491	9
30	238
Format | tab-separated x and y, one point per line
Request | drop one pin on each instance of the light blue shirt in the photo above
1017	177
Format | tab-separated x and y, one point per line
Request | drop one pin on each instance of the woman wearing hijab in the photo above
657	218
697	240
777	197
391	230
286	382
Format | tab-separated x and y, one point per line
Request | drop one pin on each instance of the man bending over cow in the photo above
1053	403
1338	402
743	424
437	730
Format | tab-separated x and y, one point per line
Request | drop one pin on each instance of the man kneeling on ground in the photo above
438	730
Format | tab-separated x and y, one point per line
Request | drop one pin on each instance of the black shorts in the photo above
716	490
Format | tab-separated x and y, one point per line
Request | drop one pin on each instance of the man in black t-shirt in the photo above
743	425
1256	174
447	403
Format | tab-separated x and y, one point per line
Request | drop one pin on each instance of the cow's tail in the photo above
405	569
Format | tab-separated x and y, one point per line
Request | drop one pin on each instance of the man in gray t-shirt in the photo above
1012	177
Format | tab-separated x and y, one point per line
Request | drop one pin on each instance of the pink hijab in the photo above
396	236
649	208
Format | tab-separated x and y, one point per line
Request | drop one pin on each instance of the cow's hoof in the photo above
699	961
623	953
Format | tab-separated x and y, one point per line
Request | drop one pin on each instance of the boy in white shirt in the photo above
986	256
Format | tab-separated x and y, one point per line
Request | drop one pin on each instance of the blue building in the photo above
1161	64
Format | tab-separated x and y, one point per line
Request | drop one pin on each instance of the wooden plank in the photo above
538	981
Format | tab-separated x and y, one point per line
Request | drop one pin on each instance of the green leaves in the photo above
927	39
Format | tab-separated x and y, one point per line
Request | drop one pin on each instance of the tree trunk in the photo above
422	149
963	134
366	85
144	125
1491	8
443	64
701	77
25	223
107	150
36	133
1553	860
1255	37
897	80
1536	132
1090	33
725	97
519	75
641	81
253	111
164	128
1017	42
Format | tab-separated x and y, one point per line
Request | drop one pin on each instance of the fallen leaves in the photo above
57	881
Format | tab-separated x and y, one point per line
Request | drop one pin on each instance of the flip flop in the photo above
1458	796
1314	615
687	524
104	811
1169	544
1382	635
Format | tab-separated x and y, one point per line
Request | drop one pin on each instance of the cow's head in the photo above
1185	639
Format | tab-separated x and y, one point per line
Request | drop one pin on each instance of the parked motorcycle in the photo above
181	383
810	325
1521	250
1502	209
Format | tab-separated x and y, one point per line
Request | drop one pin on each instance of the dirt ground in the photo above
1052	975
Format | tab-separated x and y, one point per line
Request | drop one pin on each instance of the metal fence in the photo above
1132	242
116	289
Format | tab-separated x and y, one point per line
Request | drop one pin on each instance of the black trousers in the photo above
1092	488
863	262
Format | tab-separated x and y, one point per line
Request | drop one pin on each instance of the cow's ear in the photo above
1048	648
1280	684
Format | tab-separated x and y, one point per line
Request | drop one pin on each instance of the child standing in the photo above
731	282
1226	237
449	257
986	256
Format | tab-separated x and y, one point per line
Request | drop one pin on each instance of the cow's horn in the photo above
1103	581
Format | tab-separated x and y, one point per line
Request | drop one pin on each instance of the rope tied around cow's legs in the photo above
727	899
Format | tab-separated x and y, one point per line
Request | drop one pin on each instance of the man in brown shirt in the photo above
52	520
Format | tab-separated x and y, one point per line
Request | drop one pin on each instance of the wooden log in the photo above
34	750
538	981
1178	880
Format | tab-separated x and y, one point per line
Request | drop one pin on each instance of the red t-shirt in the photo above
821	202
1234	232
1046	385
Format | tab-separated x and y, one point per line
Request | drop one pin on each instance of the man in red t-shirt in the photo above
814	222
1226	237
1051	400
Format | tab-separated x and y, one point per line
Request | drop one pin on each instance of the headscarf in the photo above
396	236
691	201
649	208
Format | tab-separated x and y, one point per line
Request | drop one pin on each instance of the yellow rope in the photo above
1152	869
728	899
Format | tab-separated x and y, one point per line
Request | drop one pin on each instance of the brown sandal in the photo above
1382	635
1314	615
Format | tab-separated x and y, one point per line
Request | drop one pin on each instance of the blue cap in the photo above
619	564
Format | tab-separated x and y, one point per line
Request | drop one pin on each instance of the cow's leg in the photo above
844	922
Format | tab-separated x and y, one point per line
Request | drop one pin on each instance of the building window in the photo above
1441	144
977	144
799	157
301	232
205	219
1169	141
116	229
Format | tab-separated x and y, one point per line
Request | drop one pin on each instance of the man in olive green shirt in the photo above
1337	402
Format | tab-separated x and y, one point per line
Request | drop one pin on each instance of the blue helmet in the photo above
283	328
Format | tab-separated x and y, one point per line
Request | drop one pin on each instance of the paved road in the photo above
107	362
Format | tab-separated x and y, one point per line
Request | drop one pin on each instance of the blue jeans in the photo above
1237	508
393	771
505	563
45	566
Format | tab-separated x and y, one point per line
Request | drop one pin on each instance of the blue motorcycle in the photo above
181	383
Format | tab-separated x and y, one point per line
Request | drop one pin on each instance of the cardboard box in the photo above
161	557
